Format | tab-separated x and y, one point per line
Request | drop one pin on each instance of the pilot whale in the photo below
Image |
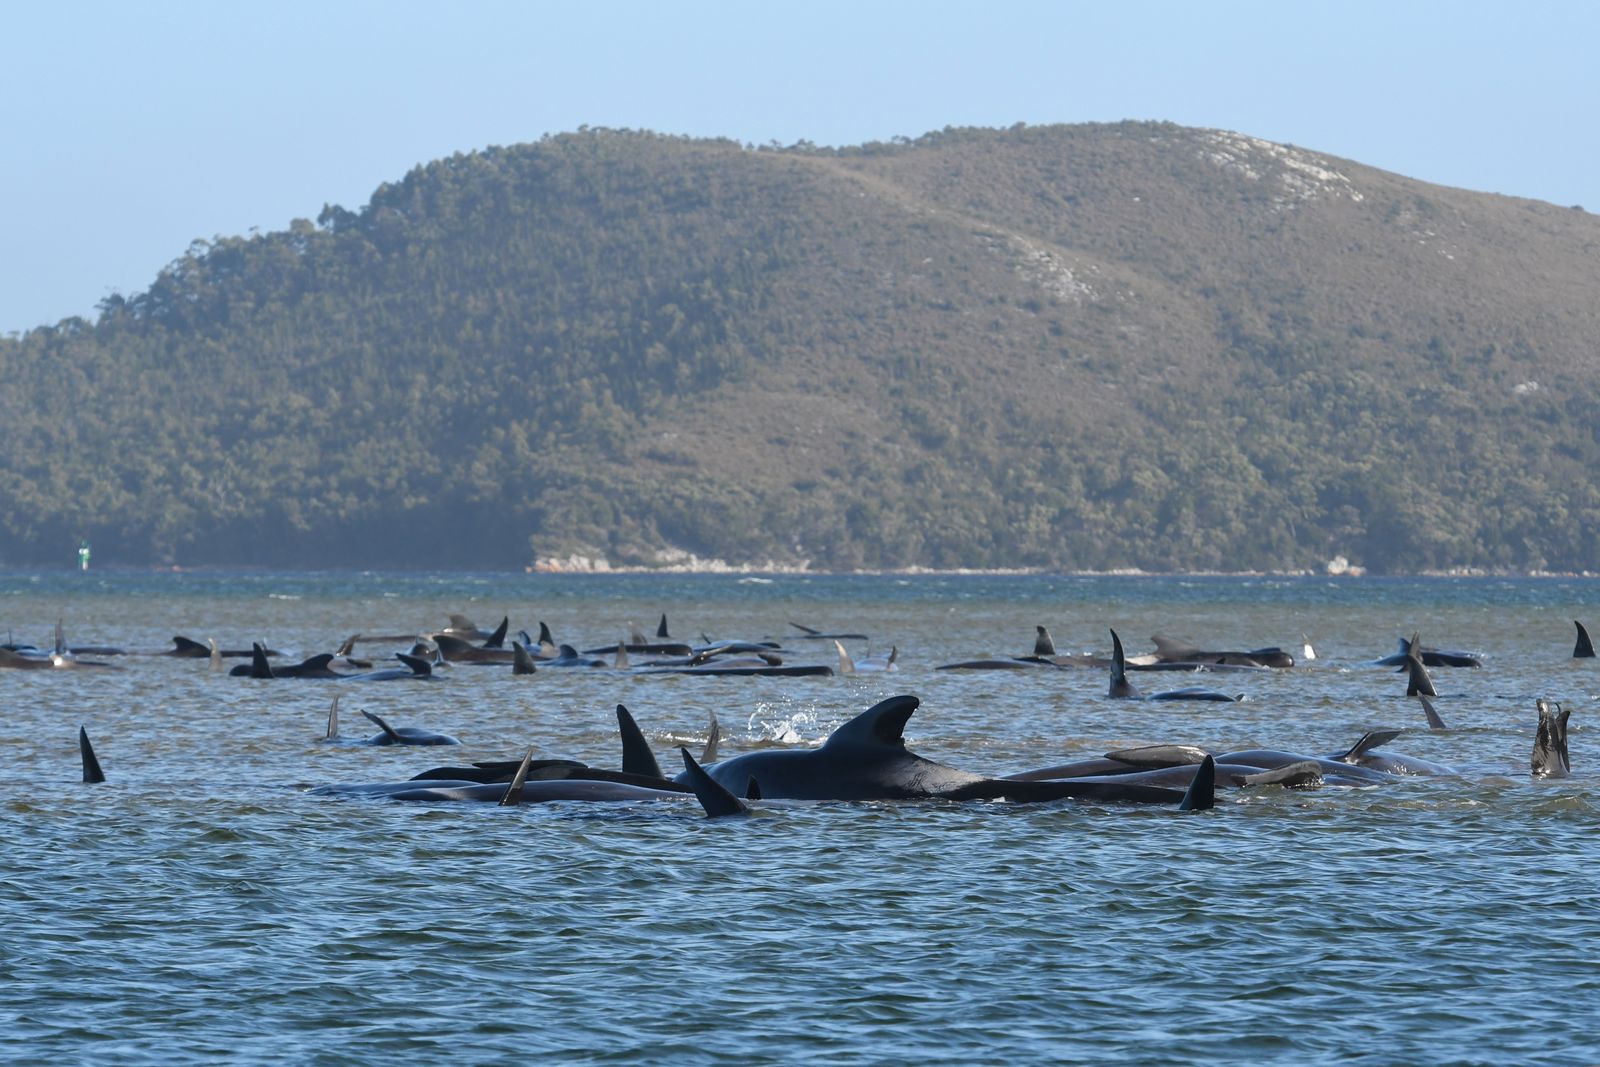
867	759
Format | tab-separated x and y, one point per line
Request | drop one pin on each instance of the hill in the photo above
1074	347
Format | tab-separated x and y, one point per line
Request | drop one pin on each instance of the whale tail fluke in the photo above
1417	680
92	774
1202	791
714	797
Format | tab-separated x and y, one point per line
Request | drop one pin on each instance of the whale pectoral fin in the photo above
388	731
513	794
333	720
622	662
1305	774
636	755
1370	740
347	646
418	665
713	739
1202	792
713	796
92	774
1434	722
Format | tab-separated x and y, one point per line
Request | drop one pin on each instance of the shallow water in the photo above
202	906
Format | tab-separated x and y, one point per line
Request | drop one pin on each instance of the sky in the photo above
130	130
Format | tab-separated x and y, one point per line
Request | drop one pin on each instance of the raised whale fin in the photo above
661	631
1202	792
1302	775
92	774
712	794
260	666
419	666
388	731
882	724
713	739
333	720
1550	759
545	637
1584	649
1370	740
498	638
347	646
622	662
1121	688
846	664
636	755
1043	644
1434	722
1417	680
186	646
513	794
521	661
809	630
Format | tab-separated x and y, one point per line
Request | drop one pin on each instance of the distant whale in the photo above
1122	689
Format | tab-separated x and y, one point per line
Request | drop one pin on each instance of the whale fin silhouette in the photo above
713	738
347	646
389	731
1370	740
418	665
260	666
1043	644
712	794
1202	792
1417	680
622	662
661	631
513	794
1120	688
498	638
186	646
92	774
1584	649
846	664
1434	722
636	755
522	660
882	725
333	720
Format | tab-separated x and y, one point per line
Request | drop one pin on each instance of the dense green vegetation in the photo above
1060	347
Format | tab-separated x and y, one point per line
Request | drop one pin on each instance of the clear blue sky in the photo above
130	129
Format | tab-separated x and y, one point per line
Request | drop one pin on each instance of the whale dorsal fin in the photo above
186	646
636	755
713	739
319	662
513	794
498	638
1202	792
92	774
545	637
521	662
1120	687
1417	680
661	631
333	720
712	794
883	724
260	667
1584	649
846	664
389	731
459	621
1043	644
418	665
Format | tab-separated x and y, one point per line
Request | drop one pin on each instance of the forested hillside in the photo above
1084	347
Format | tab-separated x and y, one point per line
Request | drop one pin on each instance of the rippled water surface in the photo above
203	906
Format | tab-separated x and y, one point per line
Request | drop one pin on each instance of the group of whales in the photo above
866	759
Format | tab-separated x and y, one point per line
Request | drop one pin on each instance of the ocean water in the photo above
202	906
